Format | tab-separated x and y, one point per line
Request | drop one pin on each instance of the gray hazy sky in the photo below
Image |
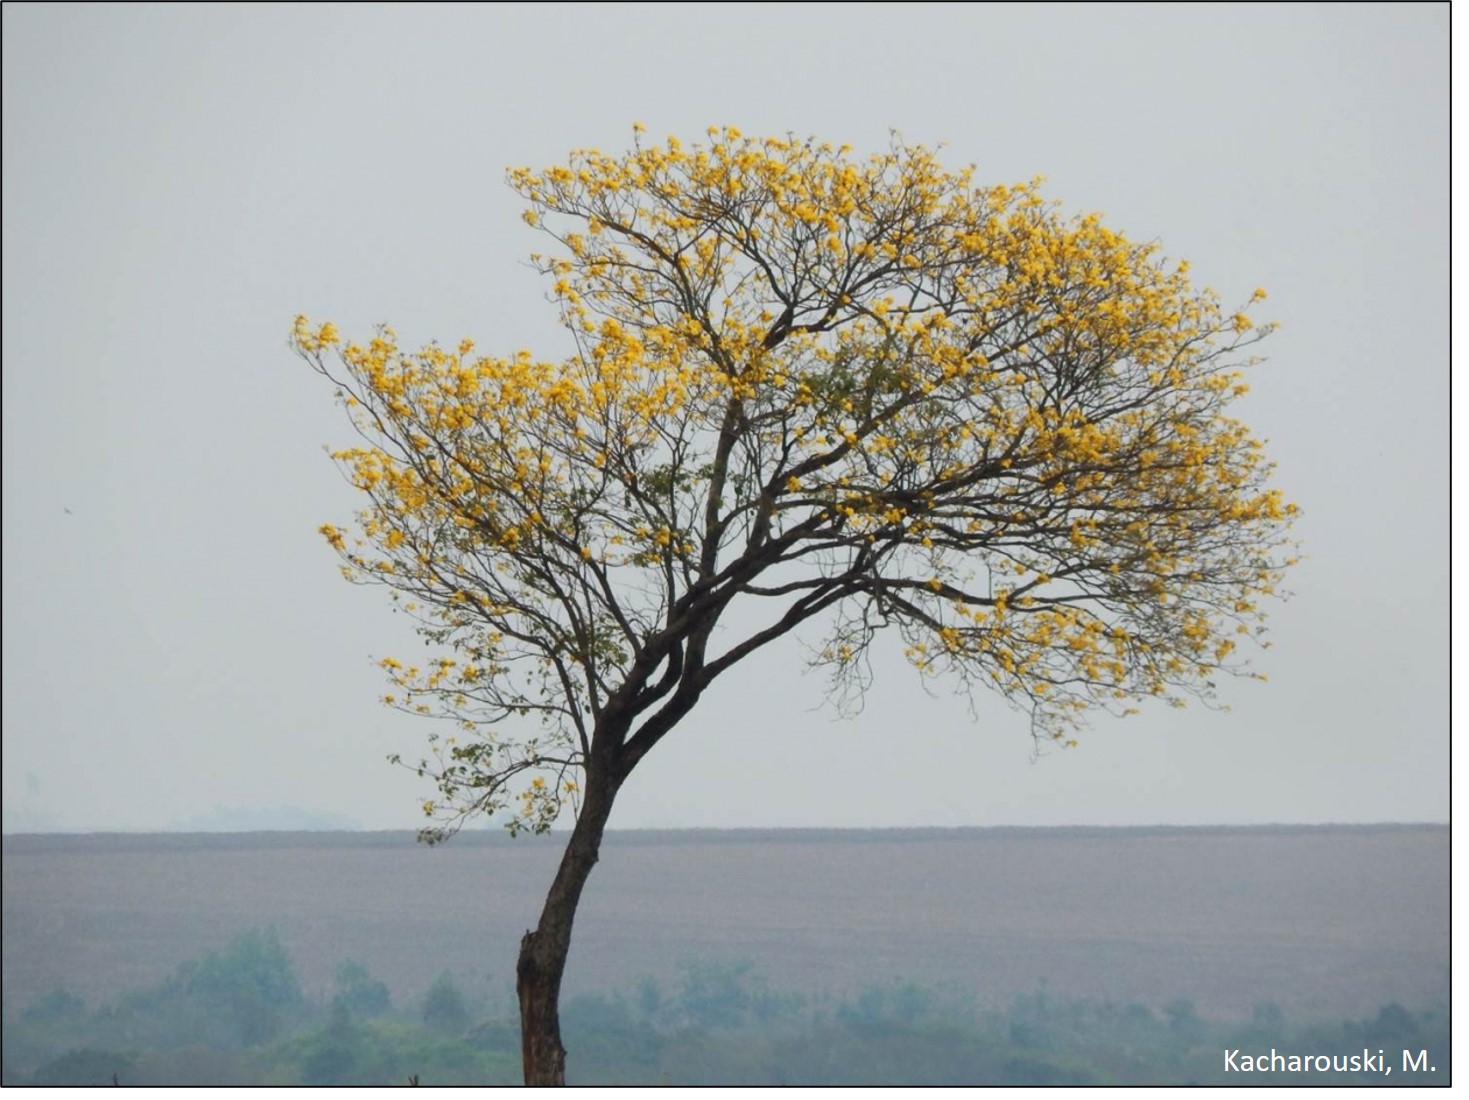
180	181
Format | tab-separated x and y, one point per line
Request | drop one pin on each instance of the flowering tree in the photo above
851	394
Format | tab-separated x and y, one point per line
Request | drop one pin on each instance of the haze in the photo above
181	181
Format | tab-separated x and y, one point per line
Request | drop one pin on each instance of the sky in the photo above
181	181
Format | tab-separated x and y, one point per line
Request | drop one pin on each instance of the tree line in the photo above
238	1015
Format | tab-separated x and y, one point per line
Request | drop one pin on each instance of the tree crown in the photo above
851	392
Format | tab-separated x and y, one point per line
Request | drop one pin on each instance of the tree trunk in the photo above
543	951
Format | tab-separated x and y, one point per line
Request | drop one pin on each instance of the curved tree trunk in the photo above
543	951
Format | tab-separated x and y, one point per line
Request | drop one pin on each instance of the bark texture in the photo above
543	951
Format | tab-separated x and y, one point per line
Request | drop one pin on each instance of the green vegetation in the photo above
238	1016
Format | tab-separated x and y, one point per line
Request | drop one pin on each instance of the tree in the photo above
850	394
252	983
359	991
443	1006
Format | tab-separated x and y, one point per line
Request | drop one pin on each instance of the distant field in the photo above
1332	920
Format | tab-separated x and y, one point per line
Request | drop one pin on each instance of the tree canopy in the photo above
846	394
856	392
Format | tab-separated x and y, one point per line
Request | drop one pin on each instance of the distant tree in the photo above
85	1068
1184	1021
330	1057
359	992
715	995
841	394
57	1006
1394	1025
1267	1022
880	1007
252	982
444	1008
608	1032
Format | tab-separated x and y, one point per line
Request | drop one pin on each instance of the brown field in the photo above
1328	921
